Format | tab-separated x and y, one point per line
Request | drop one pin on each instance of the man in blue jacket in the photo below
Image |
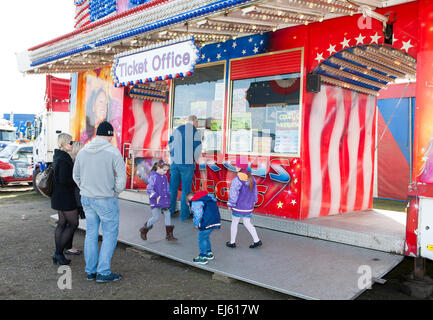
185	150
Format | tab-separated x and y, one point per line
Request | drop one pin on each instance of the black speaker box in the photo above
313	82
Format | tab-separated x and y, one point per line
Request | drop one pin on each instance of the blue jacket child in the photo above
206	218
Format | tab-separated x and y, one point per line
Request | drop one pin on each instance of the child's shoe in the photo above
209	256
200	260
256	244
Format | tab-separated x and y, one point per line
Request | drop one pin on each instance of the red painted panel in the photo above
280	63
392	167
395	91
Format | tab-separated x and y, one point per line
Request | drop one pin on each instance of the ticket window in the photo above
265	115
202	95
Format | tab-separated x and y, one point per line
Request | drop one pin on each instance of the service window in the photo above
265	115
202	95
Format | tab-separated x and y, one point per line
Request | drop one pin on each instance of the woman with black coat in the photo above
63	198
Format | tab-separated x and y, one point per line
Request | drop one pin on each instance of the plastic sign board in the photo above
173	59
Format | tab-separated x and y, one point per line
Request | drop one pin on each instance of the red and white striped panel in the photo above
82	15
338	148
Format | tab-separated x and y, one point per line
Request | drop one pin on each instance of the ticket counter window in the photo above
265	115
202	95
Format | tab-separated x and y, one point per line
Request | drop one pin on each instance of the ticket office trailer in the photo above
311	152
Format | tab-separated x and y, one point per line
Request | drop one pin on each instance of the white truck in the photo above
7	133
54	119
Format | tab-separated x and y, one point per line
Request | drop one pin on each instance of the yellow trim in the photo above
301	94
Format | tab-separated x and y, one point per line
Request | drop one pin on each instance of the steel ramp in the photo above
299	266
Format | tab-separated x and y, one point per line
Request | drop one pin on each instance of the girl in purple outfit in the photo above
242	197
158	190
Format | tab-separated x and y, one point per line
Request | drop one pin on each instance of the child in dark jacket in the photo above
159	199
242	197
206	219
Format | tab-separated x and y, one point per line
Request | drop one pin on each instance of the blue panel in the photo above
399	125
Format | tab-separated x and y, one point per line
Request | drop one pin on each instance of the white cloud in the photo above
25	24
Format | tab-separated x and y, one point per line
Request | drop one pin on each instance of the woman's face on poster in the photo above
100	108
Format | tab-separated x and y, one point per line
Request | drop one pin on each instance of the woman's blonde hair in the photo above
76	147
62	139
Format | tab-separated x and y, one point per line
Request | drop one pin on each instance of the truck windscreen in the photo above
7	135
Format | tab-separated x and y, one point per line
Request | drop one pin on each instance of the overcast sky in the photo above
24	24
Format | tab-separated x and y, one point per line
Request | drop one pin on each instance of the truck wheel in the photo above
36	172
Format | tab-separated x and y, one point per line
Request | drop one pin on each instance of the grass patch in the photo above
389	205
19	196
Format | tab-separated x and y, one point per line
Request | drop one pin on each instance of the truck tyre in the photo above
35	174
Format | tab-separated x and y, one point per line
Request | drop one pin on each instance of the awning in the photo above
94	45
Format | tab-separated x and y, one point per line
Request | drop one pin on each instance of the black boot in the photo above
60	259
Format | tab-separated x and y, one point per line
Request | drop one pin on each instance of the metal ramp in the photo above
295	265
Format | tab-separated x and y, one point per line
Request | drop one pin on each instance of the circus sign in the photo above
173	59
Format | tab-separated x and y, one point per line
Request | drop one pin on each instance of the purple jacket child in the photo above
158	187
241	198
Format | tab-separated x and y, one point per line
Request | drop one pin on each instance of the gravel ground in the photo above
27	271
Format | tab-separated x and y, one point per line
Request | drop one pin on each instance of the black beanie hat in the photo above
105	129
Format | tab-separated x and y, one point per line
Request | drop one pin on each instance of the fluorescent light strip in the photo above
371	64
352	76
360	69
348	85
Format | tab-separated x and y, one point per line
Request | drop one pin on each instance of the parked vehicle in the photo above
16	164
54	119
7	133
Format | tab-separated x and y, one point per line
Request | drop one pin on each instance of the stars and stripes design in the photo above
82	14
87	11
234	48
339	142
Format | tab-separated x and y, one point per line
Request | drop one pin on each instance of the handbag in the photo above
45	184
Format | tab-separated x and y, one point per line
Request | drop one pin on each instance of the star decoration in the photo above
218	56
234	45
280	205
295	161
345	43
293	202
208	59
244	51
250	40
203	56
261	42
331	49
319	57
295	181
219	45
375	38
406	46
256	49
360	39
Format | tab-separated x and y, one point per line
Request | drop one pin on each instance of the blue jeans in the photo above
204	242
184	172
104	212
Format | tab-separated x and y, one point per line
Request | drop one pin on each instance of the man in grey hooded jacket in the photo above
100	173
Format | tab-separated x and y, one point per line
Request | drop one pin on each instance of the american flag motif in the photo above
339	142
82	14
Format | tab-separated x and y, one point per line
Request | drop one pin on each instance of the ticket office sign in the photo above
172	60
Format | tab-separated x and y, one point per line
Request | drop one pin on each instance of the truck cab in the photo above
7	133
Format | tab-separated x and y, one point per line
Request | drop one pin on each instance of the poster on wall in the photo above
97	100
287	131
145	133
